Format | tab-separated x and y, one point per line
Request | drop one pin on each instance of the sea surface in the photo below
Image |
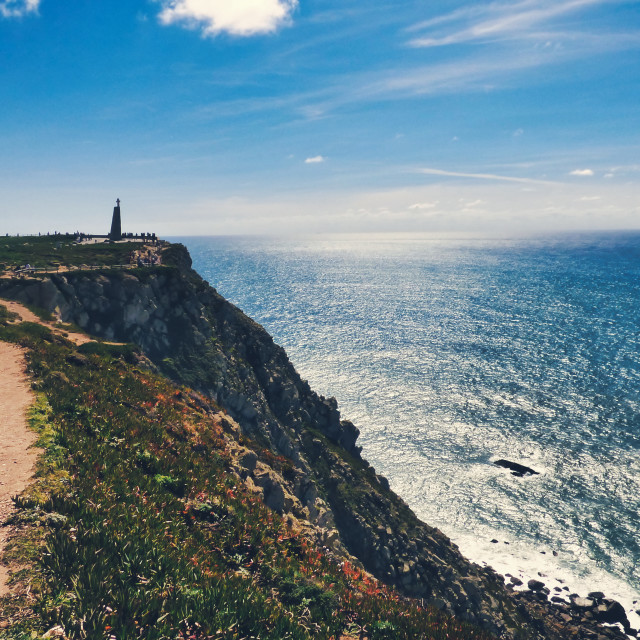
450	352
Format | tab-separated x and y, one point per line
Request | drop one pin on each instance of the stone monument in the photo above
116	225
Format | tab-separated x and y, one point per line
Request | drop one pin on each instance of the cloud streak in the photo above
236	17
496	21
482	176
18	8
314	160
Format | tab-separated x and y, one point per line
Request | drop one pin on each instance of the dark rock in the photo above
516	581
596	595
77	359
517	469
535	585
249	460
611	612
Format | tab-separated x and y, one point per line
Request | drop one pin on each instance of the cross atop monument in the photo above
116	225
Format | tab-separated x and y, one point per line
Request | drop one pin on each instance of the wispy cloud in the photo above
314	160
582	172
495	21
482	176
239	17
18	8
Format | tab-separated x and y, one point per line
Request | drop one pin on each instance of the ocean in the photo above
451	352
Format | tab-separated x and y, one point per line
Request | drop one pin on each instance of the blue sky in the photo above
277	116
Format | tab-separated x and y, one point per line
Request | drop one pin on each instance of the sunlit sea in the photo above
451	352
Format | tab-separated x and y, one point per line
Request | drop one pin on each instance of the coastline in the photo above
259	386
522	558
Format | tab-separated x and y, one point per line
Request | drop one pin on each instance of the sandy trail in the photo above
29	316
17	459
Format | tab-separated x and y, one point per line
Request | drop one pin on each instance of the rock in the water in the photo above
535	585
517	469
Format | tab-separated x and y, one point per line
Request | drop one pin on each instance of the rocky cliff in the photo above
318	477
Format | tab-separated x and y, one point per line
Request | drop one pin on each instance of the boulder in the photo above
611	612
535	585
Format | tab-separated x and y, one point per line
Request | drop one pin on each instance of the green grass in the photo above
50	251
136	526
6	316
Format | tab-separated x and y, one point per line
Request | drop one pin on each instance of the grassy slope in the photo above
136	526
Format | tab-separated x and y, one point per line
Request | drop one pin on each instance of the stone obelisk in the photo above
116	225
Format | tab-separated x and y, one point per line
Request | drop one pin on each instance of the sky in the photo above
209	117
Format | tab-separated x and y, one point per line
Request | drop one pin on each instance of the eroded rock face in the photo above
198	338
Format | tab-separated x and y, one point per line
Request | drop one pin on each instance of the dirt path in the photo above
29	316
17	459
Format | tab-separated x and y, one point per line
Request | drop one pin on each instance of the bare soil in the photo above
17	456
28	316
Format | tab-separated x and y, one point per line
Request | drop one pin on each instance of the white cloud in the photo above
481	176
496	21
314	160
237	17
18	8
462	206
422	205
518	132
582	172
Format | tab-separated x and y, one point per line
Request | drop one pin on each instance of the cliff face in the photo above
198	338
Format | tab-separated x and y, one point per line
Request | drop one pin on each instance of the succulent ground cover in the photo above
51	251
137	527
